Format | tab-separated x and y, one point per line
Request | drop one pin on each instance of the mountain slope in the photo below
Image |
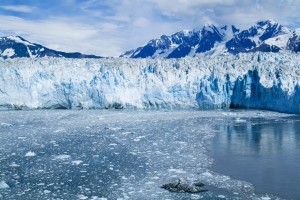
264	36
17	47
294	41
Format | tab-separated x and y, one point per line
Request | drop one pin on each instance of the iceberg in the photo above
254	80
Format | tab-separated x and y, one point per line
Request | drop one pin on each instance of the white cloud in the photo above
64	34
17	8
141	22
110	27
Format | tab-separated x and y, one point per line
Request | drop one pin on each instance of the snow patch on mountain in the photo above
8	52
18	39
279	41
254	80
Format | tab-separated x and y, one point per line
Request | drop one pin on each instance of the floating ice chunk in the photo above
47	191
59	130
5	124
207	174
266	198
14	165
3	185
114	128
30	154
82	197
221	196
196	196
62	157
178	171
76	162
239	120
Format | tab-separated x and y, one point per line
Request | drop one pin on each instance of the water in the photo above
262	151
94	154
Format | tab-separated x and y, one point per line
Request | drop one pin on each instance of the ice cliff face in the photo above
253	80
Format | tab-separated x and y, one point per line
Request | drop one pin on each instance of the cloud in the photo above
110	27
63	34
17	8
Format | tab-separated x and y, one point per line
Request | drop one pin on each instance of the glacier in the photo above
253	80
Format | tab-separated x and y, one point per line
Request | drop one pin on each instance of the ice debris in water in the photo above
30	154
3	185
5	124
62	157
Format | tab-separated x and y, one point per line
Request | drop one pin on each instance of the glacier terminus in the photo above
253	80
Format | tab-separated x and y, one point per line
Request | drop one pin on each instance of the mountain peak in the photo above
266	22
265	36
17	46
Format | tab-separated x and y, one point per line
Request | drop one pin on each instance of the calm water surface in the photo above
262	151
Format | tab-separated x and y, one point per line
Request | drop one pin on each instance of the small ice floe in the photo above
14	165
102	198
266	198
127	133
3	185
184	186
239	120
196	196
76	162
47	191
82	197
62	157
207	174
3	124
221	196
59	130
114	128
30	154
178	171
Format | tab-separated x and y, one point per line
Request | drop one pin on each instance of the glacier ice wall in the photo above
259	80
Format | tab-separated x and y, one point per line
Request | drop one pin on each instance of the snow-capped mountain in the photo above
16	47
251	80
294	41
264	36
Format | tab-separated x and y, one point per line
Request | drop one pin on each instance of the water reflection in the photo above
265	152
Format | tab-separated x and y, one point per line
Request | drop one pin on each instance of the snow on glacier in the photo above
258	80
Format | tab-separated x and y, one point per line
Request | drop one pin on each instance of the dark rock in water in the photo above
184	186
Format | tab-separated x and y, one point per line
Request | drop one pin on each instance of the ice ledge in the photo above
258	80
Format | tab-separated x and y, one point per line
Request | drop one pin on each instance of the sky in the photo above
111	27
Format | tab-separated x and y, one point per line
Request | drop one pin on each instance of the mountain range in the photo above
264	36
16	47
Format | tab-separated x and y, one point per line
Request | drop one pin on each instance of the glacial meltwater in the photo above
117	154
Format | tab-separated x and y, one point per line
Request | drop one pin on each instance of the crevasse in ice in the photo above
254	80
